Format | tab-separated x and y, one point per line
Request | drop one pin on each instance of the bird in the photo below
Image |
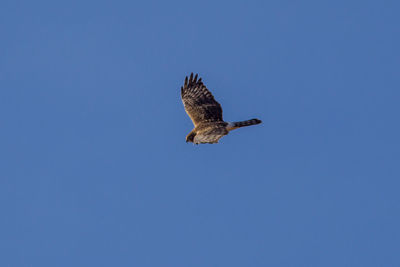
206	113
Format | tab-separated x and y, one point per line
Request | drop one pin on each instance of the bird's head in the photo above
190	137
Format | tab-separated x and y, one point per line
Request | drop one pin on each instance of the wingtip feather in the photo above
186	82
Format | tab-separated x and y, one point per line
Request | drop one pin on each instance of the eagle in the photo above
206	113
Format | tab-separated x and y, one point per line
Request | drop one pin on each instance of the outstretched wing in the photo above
199	103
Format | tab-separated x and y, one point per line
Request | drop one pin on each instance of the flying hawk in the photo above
206	113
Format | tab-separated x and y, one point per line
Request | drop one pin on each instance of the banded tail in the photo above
234	125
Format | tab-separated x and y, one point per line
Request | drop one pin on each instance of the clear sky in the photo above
94	166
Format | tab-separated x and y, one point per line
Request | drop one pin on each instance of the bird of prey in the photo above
206	113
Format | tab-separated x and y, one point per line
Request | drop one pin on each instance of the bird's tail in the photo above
238	124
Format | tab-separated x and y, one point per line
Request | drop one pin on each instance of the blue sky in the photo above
94	166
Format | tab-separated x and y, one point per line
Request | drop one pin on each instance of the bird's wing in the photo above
199	103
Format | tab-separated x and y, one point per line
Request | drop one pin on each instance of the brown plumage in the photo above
206	113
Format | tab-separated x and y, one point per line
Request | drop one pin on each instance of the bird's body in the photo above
206	113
